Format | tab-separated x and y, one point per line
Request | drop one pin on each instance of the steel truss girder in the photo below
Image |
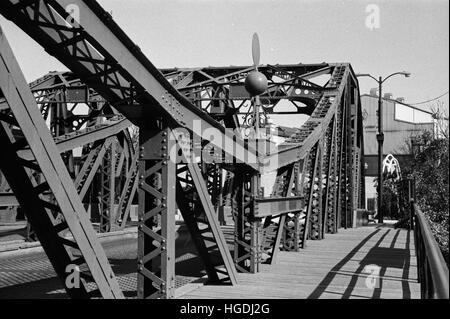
247	228
164	185
287	155
114	126
290	240
109	62
102	136
212	173
330	195
273	226
97	130
298	145
227	189
205	77
198	213
314	208
107	188
91	165
325	177
128	192
222	86
49	220
291	232
156	234
273	206
340	162
113	80
306	186
346	168
111	127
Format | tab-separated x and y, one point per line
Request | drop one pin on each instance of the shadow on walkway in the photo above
378	259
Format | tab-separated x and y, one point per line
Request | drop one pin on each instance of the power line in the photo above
429	100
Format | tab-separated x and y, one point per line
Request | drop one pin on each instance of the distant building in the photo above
401	122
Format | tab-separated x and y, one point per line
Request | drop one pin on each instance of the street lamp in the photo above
380	135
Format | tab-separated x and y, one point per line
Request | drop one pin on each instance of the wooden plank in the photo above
332	268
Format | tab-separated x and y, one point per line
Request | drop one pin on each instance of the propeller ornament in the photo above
256	82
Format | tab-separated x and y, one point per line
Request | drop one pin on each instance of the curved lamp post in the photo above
380	135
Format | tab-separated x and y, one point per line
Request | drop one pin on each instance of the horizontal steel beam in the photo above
8	199
82	137
273	206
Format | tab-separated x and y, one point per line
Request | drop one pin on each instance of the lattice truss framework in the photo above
318	168
105	170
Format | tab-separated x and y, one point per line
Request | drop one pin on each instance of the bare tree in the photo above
440	115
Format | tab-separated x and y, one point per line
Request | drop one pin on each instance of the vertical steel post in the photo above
107	190
247	244
329	180
314	207
157	207
291	228
339	161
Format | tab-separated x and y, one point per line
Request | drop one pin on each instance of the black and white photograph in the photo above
229	158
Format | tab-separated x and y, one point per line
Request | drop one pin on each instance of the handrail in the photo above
432	269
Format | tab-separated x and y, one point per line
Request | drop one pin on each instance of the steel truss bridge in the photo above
124	117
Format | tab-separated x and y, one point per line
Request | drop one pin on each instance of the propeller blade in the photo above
255	49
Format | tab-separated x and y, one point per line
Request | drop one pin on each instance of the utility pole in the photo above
380	137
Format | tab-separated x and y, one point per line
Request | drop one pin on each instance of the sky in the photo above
412	35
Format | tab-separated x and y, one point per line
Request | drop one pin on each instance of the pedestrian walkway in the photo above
367	263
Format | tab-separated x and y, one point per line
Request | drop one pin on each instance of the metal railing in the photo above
432	271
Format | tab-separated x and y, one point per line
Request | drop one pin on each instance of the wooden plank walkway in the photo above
336	267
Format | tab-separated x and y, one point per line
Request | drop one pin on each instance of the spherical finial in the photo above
256	83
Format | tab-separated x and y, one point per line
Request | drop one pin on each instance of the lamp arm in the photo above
368	75
396	73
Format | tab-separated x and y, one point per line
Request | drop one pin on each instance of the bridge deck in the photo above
336	267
